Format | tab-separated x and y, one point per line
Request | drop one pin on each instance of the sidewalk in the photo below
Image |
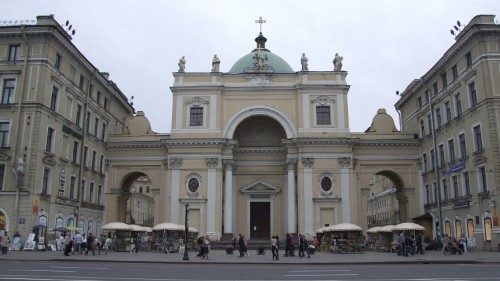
220	257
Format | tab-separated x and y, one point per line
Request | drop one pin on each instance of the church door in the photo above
260	220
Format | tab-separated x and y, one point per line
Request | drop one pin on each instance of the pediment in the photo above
260	187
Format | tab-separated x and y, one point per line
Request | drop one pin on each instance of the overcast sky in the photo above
385	44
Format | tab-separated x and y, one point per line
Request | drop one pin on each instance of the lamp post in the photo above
186	228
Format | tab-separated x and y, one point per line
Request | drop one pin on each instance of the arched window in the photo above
98	229
458	228
470	228
81	224
59	222
487	229
447	228
70	222
42	220
90	226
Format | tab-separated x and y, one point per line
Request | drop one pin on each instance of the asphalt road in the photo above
94	271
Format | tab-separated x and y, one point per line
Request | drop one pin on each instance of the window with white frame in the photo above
53	98
478	139
483	184
49	142
4	134
2	175
455	186
472	93
46	181
458	104
196	116
14	51
451	150
8	89
323	115
463	145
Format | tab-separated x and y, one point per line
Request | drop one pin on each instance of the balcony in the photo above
92	206
461	202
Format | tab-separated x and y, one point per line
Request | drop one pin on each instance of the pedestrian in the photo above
107	243
98	244
241	245
463	242
277	247
68	243
78	243
273	248
90	244
446	241
4	242
418	241
303	247
206	245
83	246
136	244
401	245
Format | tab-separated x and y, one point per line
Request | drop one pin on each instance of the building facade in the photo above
140	204
454	109
56	112
261	150
382	204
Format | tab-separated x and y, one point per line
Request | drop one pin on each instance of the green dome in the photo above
278	64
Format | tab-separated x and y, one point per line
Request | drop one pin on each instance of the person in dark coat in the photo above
90	244
241	245
418	241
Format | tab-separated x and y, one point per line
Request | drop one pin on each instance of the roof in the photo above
275	62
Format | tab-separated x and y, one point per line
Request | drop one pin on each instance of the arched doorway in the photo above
259	177
386	203
4	222
135	201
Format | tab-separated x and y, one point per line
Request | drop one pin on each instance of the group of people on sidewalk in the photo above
81	242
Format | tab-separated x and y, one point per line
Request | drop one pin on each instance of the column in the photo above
175	164
308	203
345	163
291	207
211	193
228	196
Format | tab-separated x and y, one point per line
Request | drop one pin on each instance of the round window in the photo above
326	184
193	185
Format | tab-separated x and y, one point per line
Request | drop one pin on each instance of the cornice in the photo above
259	150
321	141
135	144
389	142
197	142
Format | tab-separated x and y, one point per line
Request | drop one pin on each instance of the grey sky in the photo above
385	44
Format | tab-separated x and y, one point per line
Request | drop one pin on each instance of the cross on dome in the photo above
260	21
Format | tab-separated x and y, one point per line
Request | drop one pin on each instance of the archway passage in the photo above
386	203
3	221
135	201
259	157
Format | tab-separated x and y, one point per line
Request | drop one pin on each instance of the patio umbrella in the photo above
74	228
117	226
61	229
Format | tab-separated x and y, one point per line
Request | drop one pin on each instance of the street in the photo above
94	271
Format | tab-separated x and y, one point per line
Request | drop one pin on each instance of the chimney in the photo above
105	74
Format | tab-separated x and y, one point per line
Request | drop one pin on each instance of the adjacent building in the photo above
382	204
454	110
140	204
56	112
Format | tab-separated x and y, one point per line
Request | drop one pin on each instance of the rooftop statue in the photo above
182	64
303	62
337	62
260	61
215	64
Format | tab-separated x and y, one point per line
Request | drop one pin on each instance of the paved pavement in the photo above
219	256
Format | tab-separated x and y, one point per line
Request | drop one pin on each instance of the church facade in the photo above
262	150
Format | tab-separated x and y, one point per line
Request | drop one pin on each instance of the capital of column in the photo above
212	162
175	163
290	164
228	164
345	162
307	162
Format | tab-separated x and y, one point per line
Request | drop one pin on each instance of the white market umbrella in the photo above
408	226
137	228
322	229
117	226
386	228
373	229
344	227
168	226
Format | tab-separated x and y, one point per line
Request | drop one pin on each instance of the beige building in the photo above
382	204
454	109
56	112
261	150
140	204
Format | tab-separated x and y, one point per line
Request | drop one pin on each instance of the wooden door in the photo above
260	220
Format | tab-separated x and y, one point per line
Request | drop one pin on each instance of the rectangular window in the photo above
436	197
470	228
429	123
8	91
472	94
78	114
69	107
82	192
57	64
75	152
4	134
468	59
72	188
196	116
427	96
422	128
14	51
432	159
323	115
82	82
106	103
94	156
467	183
419	102
91	89
101	164
53	98
50	140
65	146
87	122
425	162
458	104
2	175
45	180
427	194
455	186
438	117
454	72
487	229
451	150
96	127
91	192
448	111
482	179
478	138
463	147
103	132
444	80
85	153
435	88
442	161
98	97
445	190
99	195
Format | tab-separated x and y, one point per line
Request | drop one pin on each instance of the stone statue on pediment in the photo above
182	64
337	62
215	64
303	62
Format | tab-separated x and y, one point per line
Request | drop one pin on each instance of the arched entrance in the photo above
135	200
386	203
4	221
259	177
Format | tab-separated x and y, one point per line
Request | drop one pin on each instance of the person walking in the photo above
136	244
68	244
303	247
241	245
107	243
446	241
78	243
418	241
4	242
401	245
273	248
277	247
463	242
90	244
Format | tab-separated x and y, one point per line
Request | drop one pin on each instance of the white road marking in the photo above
321	275
77	267
43	270
319	270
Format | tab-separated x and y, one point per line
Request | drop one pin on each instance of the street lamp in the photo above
186	228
